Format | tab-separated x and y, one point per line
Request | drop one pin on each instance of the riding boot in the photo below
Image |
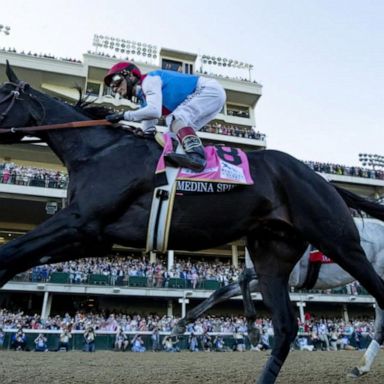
194	157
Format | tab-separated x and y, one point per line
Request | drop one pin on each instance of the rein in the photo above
20	88
73	124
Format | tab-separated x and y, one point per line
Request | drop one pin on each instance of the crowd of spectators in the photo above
206	73
119	269
233	130
205	334
41	55
338	169
11	173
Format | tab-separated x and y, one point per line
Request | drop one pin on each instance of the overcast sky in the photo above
321	63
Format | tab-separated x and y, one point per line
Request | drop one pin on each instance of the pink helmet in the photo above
123	67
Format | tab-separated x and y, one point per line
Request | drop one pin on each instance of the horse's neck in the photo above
74	144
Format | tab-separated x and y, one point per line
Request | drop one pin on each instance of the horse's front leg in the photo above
220	295
62	234
276	298
373	349
274	254
247	278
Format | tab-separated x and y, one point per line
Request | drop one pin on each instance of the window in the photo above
172	65
93	89
238	111
188	68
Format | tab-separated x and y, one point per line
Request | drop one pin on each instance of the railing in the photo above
105	340
152	282
33	181
107	280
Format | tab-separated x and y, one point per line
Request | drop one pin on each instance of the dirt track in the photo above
184	367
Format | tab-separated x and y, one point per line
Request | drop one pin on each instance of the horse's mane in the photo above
85	106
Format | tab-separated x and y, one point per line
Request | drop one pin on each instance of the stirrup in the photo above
192	161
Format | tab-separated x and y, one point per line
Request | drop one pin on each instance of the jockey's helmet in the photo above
121	70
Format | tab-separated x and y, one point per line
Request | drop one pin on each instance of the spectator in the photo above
322	330
19	340
206	341
219	344
303	344
89	340
155	337
41	343
2	338
121	341
170	344
137	344
239	345
264	342
333	340
193	343
65	336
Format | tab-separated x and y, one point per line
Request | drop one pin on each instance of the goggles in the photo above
116	81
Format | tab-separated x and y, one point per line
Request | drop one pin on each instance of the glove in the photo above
115	117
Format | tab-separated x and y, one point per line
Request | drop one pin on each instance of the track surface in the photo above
104	367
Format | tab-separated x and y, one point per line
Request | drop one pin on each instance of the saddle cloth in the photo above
224	165
315	256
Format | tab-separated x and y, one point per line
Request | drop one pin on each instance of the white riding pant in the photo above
199	108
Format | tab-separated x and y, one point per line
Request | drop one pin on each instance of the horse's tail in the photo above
359	203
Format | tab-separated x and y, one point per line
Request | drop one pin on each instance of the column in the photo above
152	257
170	308
235	256
345	313
183	301
170	260
301	306
47	303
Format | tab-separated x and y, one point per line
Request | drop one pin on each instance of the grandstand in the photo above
33	187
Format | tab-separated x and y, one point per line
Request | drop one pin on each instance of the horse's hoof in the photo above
355	373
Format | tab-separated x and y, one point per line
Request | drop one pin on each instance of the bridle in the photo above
20	89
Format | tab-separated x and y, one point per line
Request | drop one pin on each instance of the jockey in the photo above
187	101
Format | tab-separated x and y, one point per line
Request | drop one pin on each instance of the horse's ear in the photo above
11	75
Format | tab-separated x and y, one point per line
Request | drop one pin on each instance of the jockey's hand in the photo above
115	117
139	132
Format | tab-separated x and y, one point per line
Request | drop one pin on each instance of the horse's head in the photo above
18	107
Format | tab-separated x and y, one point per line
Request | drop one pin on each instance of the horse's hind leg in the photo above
373	348
220	295
274	259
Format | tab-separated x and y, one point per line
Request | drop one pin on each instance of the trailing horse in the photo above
330	276
111	182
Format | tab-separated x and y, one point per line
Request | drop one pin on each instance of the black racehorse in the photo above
111	183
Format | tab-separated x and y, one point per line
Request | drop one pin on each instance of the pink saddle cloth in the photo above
224	165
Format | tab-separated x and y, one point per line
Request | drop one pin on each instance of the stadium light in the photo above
371	160
226	62
123	46
6	29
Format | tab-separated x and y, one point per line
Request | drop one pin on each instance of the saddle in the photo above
226	168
